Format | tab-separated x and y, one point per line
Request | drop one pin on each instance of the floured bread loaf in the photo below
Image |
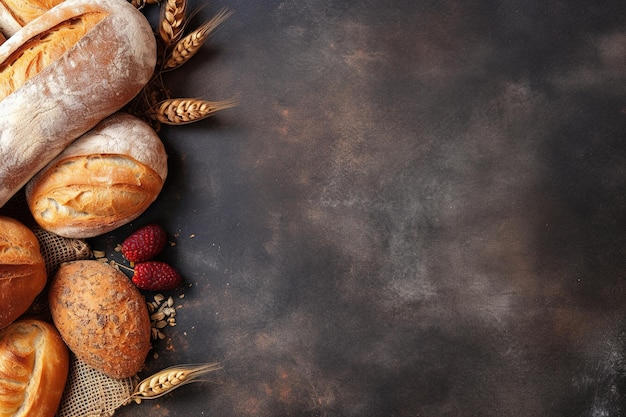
22	269
105	179
34	365
61	74
17	13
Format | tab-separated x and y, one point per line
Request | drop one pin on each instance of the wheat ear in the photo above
189	45
167	380
172	21
177	111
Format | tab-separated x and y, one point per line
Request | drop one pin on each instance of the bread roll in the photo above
61	74
22	269
101	316
34	365
105	179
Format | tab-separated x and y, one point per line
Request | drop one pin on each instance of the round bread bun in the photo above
34	365
105	179
101	316
22	269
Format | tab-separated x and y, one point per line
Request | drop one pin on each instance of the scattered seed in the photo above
158	316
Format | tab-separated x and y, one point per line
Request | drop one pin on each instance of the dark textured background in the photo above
417	209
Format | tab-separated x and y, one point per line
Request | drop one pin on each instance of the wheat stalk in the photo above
172	21
139	4
189	45
167	380
177	111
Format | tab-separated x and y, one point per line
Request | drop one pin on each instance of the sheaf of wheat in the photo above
154	103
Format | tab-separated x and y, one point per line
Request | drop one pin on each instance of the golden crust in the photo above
22	269
34	364
38	52
23	11
101	181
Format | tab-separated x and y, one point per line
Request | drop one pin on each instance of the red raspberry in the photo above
145	243
156	276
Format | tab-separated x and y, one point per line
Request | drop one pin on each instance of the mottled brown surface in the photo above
416	210
101	316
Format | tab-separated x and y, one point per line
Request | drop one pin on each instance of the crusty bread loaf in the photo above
106	178
64	86
101	316
34	365
14	14
22	269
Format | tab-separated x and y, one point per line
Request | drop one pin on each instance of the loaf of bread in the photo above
106	178
101	316
34	365
14	14
22	269
61	74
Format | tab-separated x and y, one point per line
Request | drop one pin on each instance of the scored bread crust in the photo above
34	365
97	76
106	178
16	13
101	316
22	269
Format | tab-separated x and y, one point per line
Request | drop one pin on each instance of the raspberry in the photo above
144	244
156	276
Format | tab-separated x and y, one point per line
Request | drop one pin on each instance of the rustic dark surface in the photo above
417	209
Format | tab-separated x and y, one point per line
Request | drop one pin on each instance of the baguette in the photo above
61	74
101	181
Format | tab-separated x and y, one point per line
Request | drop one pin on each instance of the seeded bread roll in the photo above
105	179
61	74
101	316
22	269
34	365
